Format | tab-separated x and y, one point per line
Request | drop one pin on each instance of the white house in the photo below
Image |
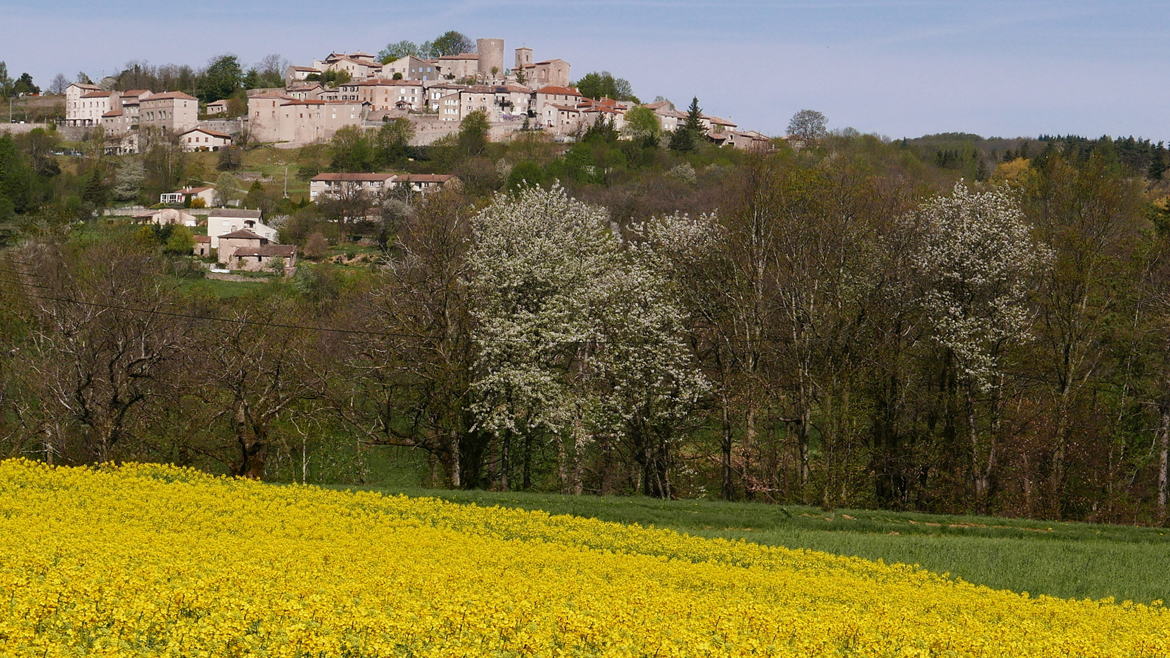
222	221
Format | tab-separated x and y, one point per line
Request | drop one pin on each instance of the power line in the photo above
211	318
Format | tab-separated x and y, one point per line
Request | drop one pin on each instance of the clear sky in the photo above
893	67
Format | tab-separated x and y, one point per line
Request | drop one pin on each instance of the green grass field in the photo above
1072	560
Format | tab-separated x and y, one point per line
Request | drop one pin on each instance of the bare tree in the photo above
101	339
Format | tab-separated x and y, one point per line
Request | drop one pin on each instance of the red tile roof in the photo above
96	94
168	95
203	238
345	176
242	234
564	91
112	113
460	56
213	133
424	178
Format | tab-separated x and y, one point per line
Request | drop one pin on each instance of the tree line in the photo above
834	326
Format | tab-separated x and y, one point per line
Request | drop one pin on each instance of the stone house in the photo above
247	250
436	92
305	92
449	107
202	246
593	115
412	68
78	111
295	74
561	119
277	118
554	94
216	107
169	112
262	258
202	139
554	72
263	120
478	98
458	67
342	184
358	69
716	124
382	94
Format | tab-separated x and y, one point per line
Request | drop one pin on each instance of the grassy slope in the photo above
1062	559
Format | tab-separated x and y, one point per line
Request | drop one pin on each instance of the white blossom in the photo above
975	258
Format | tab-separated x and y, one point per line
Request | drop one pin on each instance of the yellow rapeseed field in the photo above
157	560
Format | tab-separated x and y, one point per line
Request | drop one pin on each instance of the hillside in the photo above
147	560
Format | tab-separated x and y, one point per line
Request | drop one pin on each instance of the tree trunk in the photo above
981	460
728	486
505	459
1163	463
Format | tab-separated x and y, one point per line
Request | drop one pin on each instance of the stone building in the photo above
170	112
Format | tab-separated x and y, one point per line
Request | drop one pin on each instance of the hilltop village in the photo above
356	89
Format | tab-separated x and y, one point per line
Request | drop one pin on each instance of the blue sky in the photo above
892	67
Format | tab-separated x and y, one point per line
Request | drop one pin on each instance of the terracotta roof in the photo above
373	65
222	101
552	89
243	234
306	68
719	121
461	56
386	82
213	133
282	250
235	212
657	104
345	176
548	61
96	94
424	178
112	113
202	238
565	108
272	95
168	95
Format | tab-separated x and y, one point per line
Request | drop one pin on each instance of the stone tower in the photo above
523	57
491	55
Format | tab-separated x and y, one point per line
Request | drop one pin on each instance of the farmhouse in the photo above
202	139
